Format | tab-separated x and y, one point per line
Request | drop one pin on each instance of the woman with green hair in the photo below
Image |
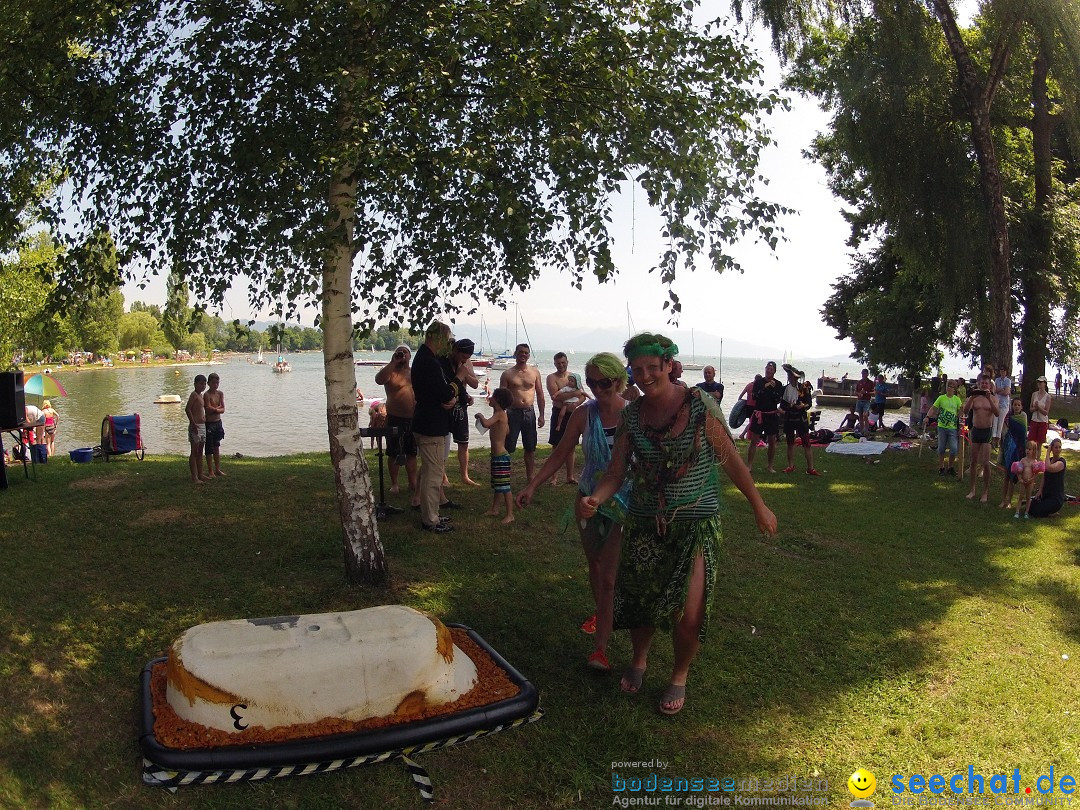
595	423
670	444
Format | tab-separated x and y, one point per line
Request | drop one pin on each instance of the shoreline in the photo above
29	370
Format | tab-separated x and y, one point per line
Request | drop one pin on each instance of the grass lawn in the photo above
890	625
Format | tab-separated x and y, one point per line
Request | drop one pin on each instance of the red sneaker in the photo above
812	471
598	661
790	469
589	625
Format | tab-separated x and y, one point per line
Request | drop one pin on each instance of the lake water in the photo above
271	414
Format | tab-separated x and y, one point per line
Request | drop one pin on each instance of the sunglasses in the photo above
602	384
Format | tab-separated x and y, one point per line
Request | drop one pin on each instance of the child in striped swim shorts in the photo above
498	425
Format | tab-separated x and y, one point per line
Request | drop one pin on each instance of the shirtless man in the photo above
983	407
214	402
523	382
561	389
396	378
196	414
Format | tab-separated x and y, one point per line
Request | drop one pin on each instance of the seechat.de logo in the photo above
862	785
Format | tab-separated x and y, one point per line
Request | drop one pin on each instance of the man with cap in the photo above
1040	414
796	404
459	417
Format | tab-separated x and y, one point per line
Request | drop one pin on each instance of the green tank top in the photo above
674	474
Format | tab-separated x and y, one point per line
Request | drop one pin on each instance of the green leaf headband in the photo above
652	350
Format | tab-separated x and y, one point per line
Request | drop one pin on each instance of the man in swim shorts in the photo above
523	382
396	379
196	414
214	404
982	405
864	392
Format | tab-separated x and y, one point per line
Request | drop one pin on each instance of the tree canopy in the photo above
394	160
899	152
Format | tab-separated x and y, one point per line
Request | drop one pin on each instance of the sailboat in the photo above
693	364
506	360
479	359
259	358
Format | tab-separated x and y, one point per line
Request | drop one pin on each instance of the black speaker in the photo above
12	400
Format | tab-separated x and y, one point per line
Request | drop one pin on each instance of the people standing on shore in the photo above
396	379
1003	392
214	402
459	419
52	422
946	409
196	414
864	392
1040	414
982	406
881	394
710	385
563	387
497	426
765	421
797	401
436	395
1013	441
523	382
595	423
671	443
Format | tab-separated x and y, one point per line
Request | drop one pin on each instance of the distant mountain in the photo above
552	337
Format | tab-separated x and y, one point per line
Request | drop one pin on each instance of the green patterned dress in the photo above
674	515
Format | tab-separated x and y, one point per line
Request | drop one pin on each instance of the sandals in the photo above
598	661
674	694
632	678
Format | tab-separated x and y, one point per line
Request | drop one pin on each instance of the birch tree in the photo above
394	161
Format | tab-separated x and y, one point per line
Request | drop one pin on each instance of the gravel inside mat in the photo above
492	686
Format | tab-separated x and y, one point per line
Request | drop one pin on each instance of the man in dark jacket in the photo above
436	389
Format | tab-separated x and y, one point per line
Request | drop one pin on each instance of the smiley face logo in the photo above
862	784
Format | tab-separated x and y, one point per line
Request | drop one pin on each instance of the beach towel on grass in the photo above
858	448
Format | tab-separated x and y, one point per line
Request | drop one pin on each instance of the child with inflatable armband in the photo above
567	406
1025	470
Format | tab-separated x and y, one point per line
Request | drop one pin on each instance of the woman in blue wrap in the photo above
1013	439
595	423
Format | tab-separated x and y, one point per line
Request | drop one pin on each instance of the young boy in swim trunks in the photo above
196	414
499	425
983	407
214	403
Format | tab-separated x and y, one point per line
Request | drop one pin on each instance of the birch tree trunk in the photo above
365	561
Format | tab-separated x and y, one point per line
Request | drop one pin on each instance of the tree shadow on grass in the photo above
841	606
